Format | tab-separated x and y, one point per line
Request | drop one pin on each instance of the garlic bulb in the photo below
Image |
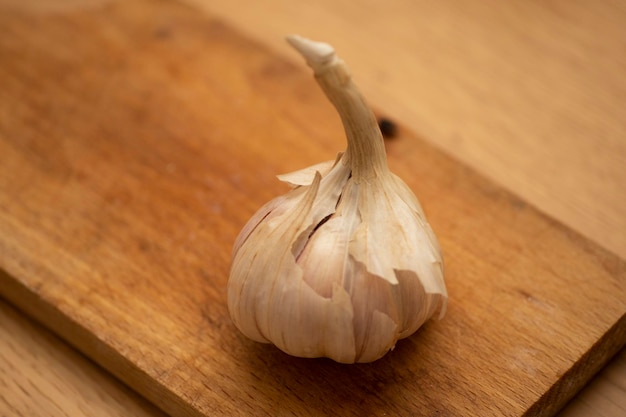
344	264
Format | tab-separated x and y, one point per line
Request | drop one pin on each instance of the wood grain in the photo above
530	94
126	173
604	395
44	377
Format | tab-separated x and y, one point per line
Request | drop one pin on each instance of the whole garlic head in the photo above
344	264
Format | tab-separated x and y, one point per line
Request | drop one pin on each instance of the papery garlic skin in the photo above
345	264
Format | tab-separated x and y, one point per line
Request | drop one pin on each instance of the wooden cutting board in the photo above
136	139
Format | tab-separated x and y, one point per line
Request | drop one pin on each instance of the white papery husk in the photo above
336	268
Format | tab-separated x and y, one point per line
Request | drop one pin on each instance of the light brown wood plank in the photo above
127	170
530	94
604	395
42	376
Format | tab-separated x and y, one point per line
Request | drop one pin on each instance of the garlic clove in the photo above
344	264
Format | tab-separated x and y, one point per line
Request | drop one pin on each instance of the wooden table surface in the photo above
531	95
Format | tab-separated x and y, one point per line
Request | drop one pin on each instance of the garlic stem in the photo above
366	151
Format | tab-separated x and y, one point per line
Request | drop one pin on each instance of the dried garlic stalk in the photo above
345	264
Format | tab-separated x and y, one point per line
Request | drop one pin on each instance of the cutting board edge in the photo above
88	344
132	376
79	336
575	378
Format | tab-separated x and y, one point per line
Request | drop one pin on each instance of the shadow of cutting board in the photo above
136	139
